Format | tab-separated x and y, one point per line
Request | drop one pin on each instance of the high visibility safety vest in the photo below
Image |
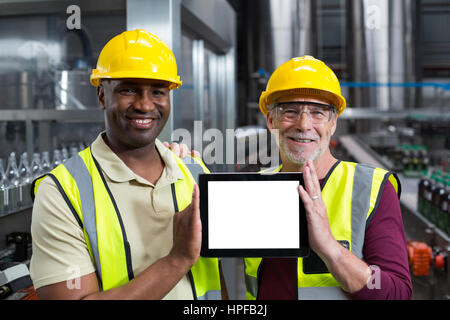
351	193
83	186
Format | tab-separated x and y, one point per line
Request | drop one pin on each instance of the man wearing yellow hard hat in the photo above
121	219
354	220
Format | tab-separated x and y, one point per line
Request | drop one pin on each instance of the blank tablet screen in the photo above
253	214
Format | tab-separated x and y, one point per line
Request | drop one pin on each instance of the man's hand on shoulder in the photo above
181	150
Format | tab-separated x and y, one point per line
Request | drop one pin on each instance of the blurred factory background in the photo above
392	58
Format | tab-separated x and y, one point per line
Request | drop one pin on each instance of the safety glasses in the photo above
318	113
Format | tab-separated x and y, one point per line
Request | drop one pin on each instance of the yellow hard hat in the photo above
303	75
136	54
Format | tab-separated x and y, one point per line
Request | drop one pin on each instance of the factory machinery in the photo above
425	199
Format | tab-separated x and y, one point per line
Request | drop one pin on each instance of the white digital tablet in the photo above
252	215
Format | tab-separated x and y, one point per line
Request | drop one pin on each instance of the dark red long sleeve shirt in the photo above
384	246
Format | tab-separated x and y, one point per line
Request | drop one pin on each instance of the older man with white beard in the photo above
354	220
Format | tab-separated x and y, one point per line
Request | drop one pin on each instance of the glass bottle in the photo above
57	158
445	208
45	163
438	193
3	190
411	158
36	167
428	197
425	159
421	196
26	178
64	154
405	158
415	165
12	175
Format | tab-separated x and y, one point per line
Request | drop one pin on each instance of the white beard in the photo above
295	157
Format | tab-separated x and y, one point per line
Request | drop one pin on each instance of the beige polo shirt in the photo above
60	251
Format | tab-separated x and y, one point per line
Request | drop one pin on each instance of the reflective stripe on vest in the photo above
105	235
82	177
304	293
353	191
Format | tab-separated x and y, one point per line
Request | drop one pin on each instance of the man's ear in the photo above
101	96
269	121
334	124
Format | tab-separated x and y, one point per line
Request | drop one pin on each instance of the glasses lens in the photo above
319	114
288	113
291	112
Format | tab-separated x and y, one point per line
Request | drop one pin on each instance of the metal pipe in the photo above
381	51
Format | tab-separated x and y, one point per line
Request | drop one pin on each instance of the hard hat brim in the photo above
97	77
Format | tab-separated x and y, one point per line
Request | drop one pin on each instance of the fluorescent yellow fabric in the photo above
59	243
110	240
337	195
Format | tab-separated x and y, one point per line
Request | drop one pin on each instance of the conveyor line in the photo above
360	152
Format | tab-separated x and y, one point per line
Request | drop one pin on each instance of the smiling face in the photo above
136	111
301	140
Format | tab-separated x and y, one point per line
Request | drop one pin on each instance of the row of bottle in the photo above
411	158
15	180
433	200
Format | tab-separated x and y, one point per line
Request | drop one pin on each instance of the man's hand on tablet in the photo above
187	232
